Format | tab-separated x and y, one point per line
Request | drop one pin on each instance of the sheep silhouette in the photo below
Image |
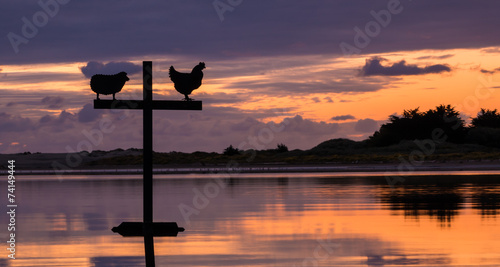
108	84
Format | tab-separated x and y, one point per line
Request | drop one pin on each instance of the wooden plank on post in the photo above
139	229
139	104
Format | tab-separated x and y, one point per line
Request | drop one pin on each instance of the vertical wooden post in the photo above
148	141
147	124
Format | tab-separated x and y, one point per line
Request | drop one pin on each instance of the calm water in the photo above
277	220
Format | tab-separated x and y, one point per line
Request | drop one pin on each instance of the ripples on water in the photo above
280	220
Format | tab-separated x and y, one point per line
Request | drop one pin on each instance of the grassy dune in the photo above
335	151
332	151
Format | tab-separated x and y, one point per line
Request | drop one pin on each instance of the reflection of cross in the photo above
147	228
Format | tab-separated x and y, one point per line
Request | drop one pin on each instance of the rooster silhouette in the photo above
185	83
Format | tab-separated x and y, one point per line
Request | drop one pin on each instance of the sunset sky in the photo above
292	72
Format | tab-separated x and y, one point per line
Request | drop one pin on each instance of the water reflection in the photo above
442	198
487	200
281	221
442	204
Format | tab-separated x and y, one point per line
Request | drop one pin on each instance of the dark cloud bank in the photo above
366	126
373	67
343	118
490	71
213	130
92	30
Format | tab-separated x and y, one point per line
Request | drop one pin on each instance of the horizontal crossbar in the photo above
154	229
139	104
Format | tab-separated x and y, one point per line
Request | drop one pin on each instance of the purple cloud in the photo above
490	71
436	57
328	99
366	126
12	123
53	101
374	68
343	118
304	27
88	113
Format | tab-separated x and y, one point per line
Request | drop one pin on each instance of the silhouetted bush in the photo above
414	124
486	118
281	148
336	146
230	151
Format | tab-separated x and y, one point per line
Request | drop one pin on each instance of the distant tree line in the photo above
414	124
230	150
443	121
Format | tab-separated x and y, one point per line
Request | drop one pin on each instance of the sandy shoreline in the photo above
393	168
59	163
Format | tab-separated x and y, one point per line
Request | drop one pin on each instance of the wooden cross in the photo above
148	228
